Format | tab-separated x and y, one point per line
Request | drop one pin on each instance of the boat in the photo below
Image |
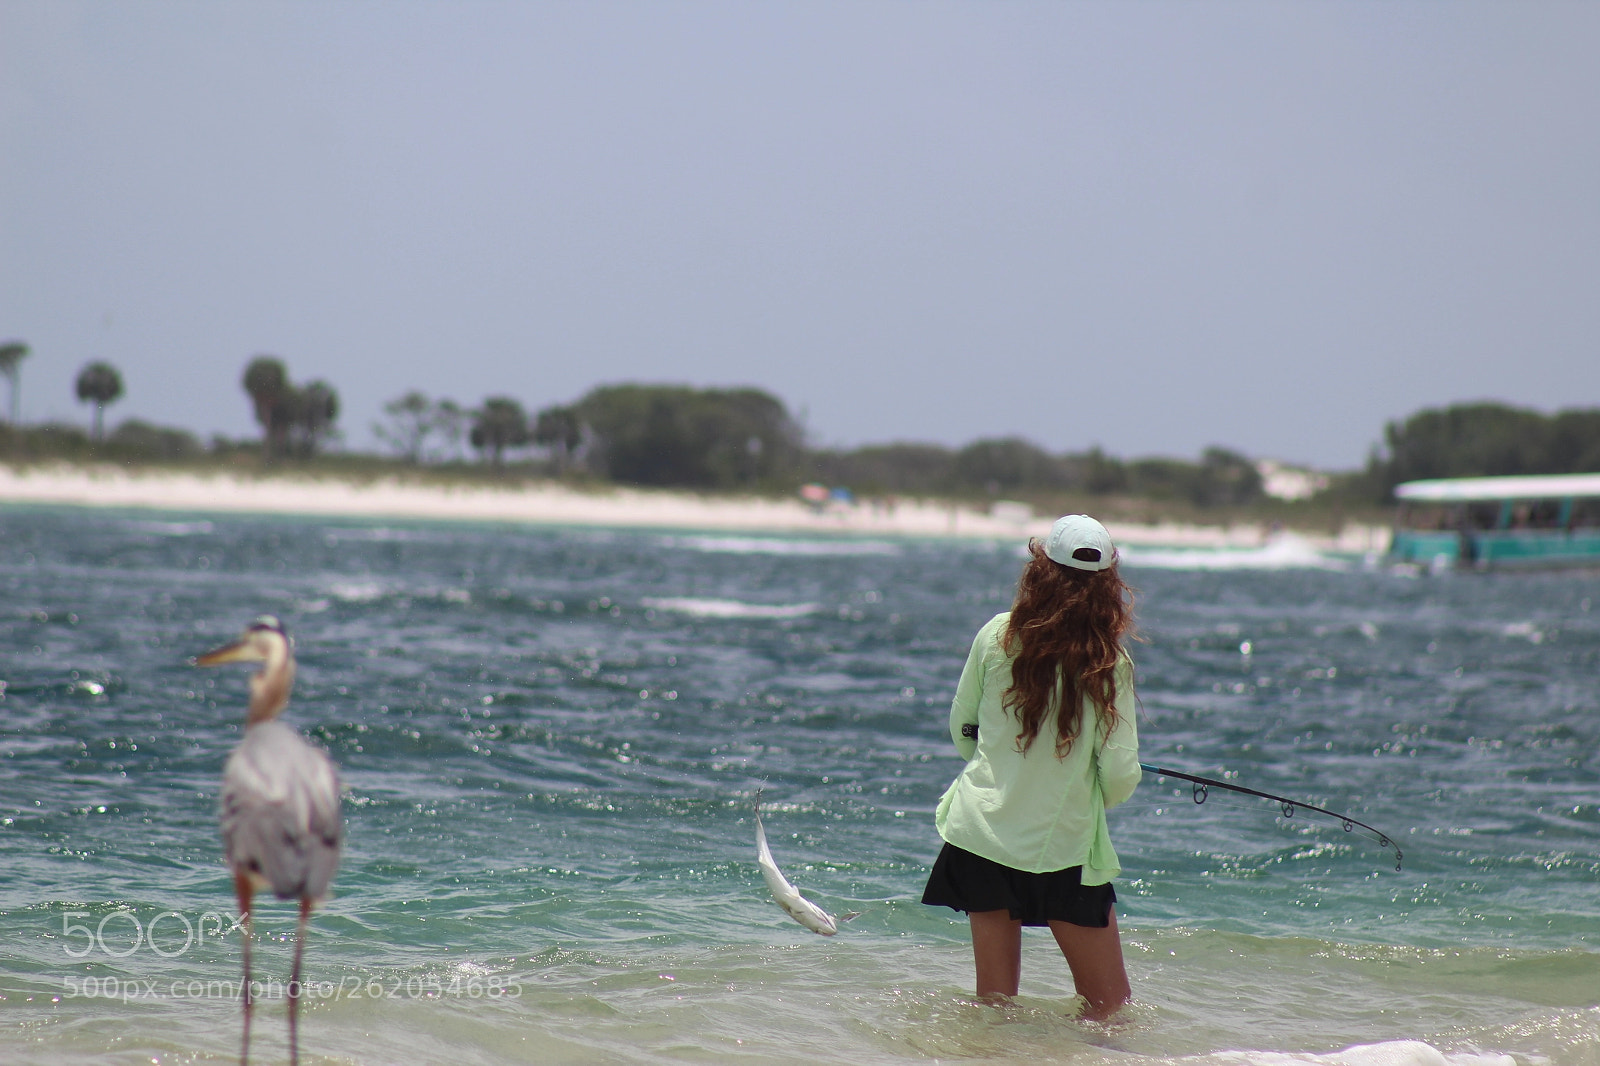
1498	523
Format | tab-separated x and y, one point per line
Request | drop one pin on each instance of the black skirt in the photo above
963	881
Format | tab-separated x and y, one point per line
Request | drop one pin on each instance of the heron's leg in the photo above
241	888
294	982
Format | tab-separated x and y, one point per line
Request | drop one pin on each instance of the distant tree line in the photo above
633	434
673	435
1015	467
742	438
745	438
1484	440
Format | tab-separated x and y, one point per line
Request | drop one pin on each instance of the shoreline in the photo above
548	503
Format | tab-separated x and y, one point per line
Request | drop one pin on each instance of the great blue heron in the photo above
281	824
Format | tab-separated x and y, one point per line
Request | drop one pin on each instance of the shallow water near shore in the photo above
552	739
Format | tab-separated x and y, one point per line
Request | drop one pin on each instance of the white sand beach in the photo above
548	503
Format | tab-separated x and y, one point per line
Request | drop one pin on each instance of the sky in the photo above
1148	226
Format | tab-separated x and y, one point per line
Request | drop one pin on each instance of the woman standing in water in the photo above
1044	715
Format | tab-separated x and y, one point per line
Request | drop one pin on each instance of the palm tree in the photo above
11	354
317	407
100	384
560	430
267	382
499	424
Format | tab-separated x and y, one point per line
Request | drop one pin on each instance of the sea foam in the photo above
707	608
1284	551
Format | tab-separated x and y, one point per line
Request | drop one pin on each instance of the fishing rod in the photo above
1202	785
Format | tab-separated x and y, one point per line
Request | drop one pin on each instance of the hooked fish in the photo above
789	898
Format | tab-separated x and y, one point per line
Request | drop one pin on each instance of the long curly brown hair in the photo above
1065	637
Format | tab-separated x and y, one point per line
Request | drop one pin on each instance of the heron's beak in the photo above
239	651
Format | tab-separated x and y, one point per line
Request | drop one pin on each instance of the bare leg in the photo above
294	984
241	889
1095	958
997	952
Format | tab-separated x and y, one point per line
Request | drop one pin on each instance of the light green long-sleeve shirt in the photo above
1035	812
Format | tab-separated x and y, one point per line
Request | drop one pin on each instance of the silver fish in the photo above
789	898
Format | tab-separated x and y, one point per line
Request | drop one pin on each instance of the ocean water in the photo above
552	739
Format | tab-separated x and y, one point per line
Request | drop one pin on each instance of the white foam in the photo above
382	534
1526	630
783	546
357	591
171	529
1388	1053
1285	551
703	608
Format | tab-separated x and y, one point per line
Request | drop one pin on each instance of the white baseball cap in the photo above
1078	541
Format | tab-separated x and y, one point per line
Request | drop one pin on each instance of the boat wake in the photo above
1284	551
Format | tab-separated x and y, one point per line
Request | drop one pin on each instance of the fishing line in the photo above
1200	789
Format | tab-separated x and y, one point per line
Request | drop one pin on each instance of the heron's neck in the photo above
269	690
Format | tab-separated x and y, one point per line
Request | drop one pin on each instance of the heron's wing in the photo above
280	812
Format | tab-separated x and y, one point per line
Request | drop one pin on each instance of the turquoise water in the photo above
551	740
